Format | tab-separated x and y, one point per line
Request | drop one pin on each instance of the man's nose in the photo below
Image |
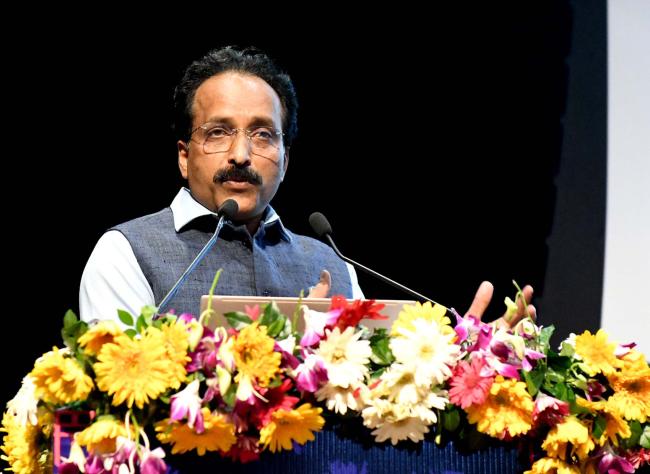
240	150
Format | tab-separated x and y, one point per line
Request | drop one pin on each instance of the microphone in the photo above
321	226
228	210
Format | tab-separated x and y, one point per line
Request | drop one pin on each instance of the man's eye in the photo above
217	132
262	133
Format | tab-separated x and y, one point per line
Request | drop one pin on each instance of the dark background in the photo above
445	148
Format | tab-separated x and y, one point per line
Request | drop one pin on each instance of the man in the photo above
236	118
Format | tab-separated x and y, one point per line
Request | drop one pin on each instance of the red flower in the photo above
259	413
354	312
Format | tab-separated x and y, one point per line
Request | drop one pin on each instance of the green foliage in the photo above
72	330
381	353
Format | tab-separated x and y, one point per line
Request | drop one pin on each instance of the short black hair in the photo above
249	60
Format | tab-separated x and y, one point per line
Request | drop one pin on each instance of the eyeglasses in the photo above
217	138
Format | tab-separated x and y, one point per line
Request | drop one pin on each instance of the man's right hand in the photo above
322	288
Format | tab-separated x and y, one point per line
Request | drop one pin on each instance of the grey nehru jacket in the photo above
275	262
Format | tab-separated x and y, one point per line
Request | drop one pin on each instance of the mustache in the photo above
237	174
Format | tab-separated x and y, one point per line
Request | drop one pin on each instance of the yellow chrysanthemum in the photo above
634	360
59	379
20	446
425	311
101	436
570	431
552	466
254	355
219	434
615	426
101	333
631	398
176	342
597	353
507	409
291	425
134	370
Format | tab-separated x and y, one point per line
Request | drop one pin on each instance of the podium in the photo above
334	452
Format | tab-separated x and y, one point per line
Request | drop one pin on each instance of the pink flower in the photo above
252	312
311	374
315	324
549	410
613	464
639	457
468	385
187	403
151	462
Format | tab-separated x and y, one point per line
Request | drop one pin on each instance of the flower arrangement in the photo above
259	386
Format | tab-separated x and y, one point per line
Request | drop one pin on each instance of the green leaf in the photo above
238	320
560	391
600	423
229	396
379	343
72	332
125	317
567	349
534	379
644	441
450	419
276	326
140	324
131	333
545	337
558	363
286	330
148	312
69	319
273	319
634	439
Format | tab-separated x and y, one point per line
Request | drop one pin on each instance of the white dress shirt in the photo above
112	278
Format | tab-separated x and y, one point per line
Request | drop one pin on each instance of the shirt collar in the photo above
185	209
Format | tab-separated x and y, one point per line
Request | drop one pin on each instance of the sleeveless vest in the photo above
268	264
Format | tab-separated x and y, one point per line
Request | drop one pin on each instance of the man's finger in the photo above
322	288
481	300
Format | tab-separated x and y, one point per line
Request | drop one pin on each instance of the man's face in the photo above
233	101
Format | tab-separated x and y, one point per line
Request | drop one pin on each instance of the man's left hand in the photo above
484	296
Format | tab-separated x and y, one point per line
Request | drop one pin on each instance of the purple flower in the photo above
311	374
187	403
610	463
151	462
315	324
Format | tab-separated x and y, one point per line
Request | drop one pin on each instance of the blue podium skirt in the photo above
336	452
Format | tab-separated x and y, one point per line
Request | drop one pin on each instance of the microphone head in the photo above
229	209
319	224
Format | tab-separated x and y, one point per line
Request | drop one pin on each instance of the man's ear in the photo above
285	164
183	152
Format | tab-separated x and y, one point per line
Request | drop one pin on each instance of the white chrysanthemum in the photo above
412	428
345	356
427	349
376	411
340	400
24	405
398	383
436	399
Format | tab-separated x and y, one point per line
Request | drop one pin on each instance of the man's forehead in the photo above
232	96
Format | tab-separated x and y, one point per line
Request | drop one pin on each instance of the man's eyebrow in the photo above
255	121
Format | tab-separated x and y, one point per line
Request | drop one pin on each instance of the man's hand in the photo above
322	288
484	296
